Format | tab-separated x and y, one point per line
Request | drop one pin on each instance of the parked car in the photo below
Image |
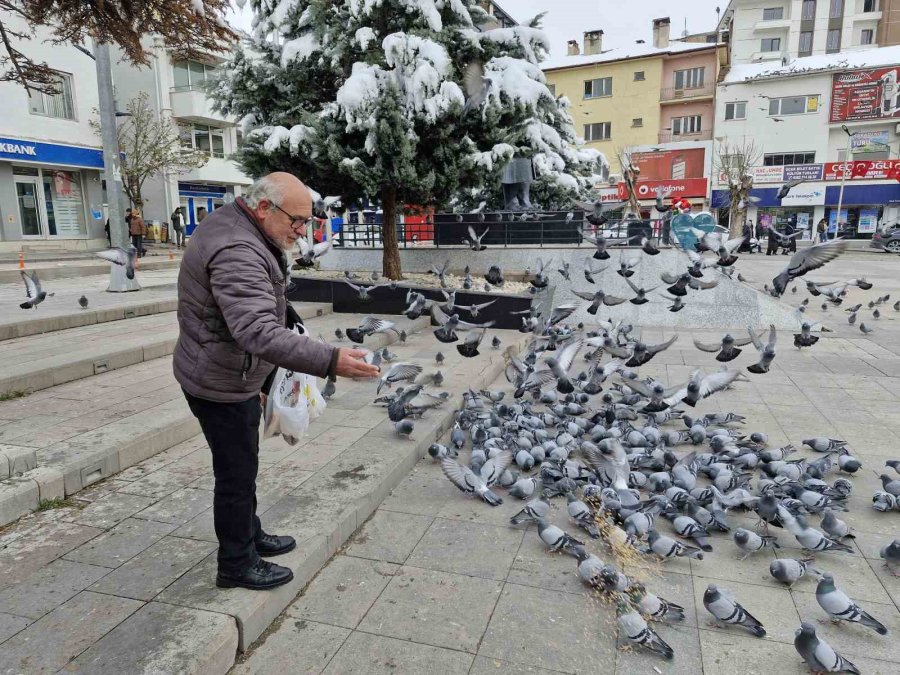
888	240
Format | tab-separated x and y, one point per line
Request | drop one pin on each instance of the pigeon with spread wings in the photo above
33	292
700	386
805	260
123	257
448	325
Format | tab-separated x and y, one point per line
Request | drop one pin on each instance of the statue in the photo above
516	179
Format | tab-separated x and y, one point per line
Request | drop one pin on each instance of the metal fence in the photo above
499	229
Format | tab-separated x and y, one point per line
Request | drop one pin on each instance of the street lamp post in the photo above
837	218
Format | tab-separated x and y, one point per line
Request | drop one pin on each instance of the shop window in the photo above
736	110
601	86
598	131
793	105
64	203
789	158
59	104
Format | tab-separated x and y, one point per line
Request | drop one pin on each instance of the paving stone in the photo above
151	571
200	527
179	507
378	655
112	509
388	536
436	608
305	647
121	543
727	653
48	588
49	541
485	551
577	636
162	638
342	593
53	641
10	625
421	493
157	484
488	666
684	640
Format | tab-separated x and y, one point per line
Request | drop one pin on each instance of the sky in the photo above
622	22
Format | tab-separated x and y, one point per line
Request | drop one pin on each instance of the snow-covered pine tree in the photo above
369	99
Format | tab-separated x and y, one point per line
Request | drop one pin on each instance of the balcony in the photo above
676	95
191	105
217	170
774	24
669	137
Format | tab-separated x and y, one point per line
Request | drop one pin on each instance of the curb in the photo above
60	271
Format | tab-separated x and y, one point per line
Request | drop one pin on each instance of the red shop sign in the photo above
686	187
862	169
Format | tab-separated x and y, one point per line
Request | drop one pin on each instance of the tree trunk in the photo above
391	259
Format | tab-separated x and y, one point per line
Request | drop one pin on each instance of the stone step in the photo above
9	273
37	362
58	441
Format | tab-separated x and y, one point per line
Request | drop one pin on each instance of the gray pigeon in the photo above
338	333
582	515
863	328
468	481
809	537
834	526
818	654
439	358
656	608
397	373
789	570
750	542
634	628
33	292
890	553
558	540
329	389
536	508
766	351
83	302
824	444
590	568
729	611
495	342
840	607
666	547
890	485
404	427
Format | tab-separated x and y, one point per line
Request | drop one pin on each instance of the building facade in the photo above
652	104
51	190
176	89
827	120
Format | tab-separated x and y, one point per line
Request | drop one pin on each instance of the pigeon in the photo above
33	292
438	451
417	305
656	608
441	272
495	342
677	303
789	571
83	302
727	348
474	310
640	293
450	324
339	334
634	628
387	355
766	352
841	608
701	386
533	510
469	348
750	542
564	271
310	251
625	267
818	654
494	276
475	240
598	298
640	353
804	338
582	515
329	389
439	358
596	212
666	547
363	291
725	609
397	373
404	427
124	257
820	444
890	553
876	314
835	527
468	481
681	282
558	540
368	327
810	538
648	247
589	273
560	365
890	485
806	260
863	328
786	188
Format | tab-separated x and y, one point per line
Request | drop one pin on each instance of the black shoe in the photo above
273	544
260	576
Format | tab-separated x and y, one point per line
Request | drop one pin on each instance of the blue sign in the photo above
682	224
803	172
200	190
50	153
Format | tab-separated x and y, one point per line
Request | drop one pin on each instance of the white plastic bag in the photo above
293	402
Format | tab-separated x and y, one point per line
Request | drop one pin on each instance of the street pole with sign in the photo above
837	219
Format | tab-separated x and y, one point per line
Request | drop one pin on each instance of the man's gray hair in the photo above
264	188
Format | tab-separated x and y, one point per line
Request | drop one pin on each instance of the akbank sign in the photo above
14	149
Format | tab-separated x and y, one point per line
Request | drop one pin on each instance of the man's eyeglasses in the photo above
295	219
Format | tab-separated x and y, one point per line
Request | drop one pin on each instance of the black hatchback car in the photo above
888	240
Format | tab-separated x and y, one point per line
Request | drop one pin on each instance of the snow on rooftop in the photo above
883	56
634	51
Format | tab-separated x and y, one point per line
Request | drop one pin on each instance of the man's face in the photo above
286	222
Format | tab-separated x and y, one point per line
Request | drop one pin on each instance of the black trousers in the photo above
137	241
232	432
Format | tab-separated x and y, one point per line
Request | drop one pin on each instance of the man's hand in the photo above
350	363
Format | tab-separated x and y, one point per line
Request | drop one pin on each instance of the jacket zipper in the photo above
248	362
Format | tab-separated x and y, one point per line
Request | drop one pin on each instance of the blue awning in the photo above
877	193
14	149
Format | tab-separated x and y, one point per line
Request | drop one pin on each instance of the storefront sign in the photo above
761	174
689	187
607	193
802	172
804	195
832	219
670	164
12	149
863	169
868	220
870	141
865	95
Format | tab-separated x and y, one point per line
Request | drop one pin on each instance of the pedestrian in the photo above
789	229
108	233
747	234
234	331
137	228
771	241
201	214
177	219
820	229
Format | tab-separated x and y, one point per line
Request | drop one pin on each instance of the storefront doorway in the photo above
50	203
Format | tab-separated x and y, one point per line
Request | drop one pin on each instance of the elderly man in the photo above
232	316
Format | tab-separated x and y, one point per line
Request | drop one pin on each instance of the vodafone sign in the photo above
686	187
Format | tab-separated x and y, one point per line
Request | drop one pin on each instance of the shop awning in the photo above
876	193
19	150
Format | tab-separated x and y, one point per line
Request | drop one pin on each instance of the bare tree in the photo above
734	162
189	27
630	176
150	145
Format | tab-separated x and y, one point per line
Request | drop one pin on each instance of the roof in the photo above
634	51
821	63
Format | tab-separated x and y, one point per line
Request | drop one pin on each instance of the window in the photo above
637	122
689	79
793	105
789	158
59	105
770	45
599	87
686	125
210	140
806	40
191	74
836	10
870	6
598	131
736	110
833	41
773	13
639	76
865	38
808	10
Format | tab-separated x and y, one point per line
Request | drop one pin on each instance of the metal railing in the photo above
669	137
686	93
500	229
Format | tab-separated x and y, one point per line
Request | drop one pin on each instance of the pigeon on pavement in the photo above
727	610
841	608
818	654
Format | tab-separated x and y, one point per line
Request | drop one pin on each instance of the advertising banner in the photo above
868	220
870	141
805	195
670	164
863	169
689	187
802	172
865	95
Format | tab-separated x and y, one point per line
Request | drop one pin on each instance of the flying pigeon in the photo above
727	348
468	481
766	351
33	292
123	257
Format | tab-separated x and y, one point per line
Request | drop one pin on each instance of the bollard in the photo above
21	259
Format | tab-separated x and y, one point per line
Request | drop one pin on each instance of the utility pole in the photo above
118	281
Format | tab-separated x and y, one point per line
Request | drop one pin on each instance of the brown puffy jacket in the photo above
137	226
231	312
